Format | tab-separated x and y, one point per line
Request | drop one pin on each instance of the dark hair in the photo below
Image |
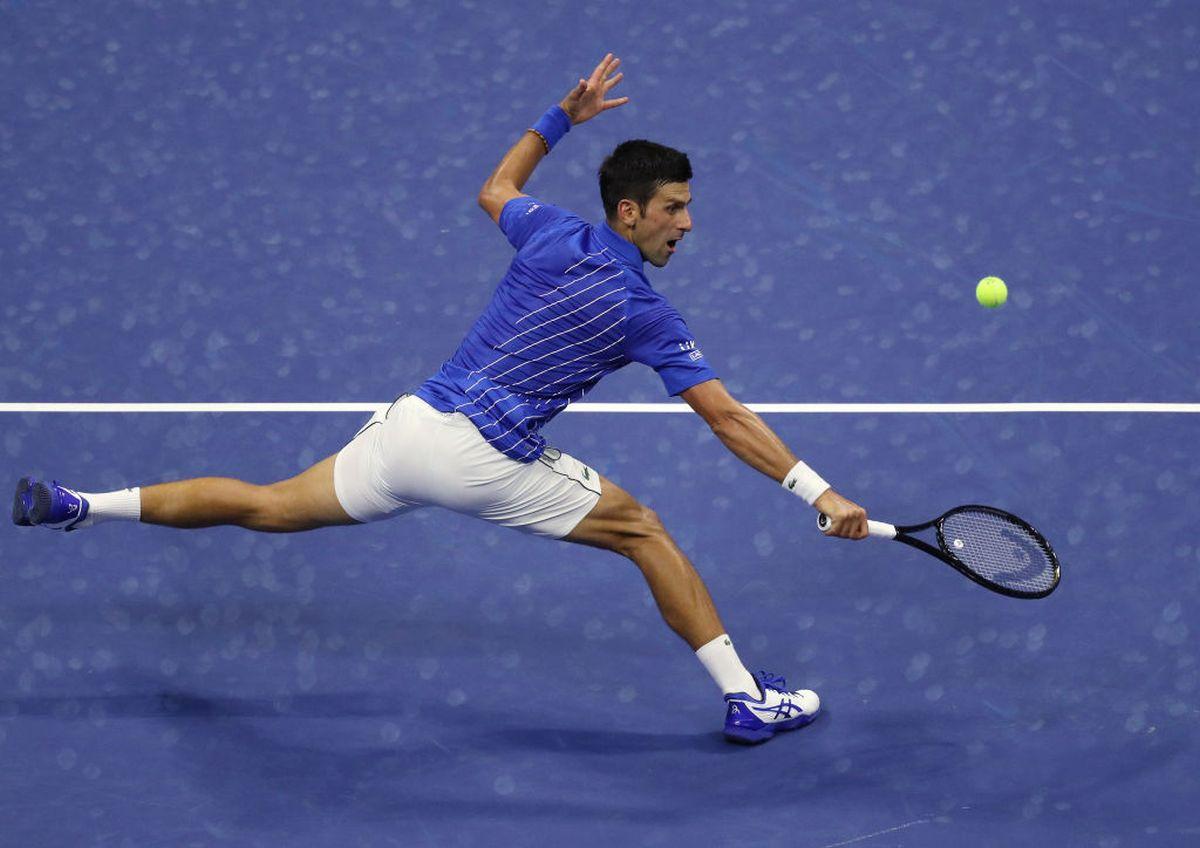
636	169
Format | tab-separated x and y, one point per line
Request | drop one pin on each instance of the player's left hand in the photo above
586	100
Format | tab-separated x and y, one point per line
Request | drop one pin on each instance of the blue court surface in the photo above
253	202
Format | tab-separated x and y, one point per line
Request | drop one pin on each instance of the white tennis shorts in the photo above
411	456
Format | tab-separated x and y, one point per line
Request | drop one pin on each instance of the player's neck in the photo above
626	232
623	230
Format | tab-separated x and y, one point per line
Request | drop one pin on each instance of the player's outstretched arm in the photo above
584	102
753	442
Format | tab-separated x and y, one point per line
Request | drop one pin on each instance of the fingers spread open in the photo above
601	70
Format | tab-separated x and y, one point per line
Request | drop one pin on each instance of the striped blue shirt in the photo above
575	305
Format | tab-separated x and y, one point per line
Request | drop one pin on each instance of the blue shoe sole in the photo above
19	516
758	735
43	502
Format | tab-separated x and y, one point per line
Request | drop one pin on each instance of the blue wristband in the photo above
552	126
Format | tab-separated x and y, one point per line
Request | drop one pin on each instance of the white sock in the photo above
124	504
721	661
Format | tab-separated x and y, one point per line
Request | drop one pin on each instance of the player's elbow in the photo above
728	420
487	198
494	194
712	402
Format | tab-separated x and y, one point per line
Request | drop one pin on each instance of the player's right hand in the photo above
847	519
586	100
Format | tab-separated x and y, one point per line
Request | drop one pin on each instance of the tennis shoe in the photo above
751	720
51	505
23	502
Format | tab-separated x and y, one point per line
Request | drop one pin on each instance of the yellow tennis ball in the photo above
991	292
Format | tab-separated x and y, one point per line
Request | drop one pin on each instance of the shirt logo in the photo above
533	207
688	345
695	355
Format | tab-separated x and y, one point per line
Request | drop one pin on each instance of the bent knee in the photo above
647	523
641	527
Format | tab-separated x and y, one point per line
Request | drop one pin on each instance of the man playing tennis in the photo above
574	305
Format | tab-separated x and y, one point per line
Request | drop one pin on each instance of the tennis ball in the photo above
991	292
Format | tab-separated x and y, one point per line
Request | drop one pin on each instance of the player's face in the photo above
663	223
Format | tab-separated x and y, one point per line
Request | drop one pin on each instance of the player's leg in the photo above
304	502
757	706
339	490
621	524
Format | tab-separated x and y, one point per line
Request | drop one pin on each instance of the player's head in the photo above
645	191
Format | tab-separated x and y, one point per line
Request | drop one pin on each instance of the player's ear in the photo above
628	211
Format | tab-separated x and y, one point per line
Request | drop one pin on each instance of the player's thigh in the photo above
618	521
309	499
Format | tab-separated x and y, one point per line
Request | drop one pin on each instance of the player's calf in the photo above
211	502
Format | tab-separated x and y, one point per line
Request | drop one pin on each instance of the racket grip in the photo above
879	529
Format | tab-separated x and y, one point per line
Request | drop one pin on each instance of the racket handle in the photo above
878	529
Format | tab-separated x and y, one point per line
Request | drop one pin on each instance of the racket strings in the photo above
999	550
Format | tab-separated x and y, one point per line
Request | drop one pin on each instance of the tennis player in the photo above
574	306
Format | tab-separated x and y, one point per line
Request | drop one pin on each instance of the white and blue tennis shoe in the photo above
750	720
51	505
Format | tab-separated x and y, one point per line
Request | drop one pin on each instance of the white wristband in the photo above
805	482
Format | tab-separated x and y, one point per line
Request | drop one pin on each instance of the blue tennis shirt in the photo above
575	305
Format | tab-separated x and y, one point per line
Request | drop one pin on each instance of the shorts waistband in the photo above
455	418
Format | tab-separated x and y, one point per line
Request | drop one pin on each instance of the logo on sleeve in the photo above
533	207
689	347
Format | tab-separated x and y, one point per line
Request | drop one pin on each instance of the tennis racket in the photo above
992	547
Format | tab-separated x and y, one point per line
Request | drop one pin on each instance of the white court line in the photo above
867	836
791	408
888	408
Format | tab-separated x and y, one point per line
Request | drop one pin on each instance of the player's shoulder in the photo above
557	227
652	315
568	247
526	206
528	221
648	302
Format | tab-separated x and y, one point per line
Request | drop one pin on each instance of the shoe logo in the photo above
586	473
781	710
72	508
